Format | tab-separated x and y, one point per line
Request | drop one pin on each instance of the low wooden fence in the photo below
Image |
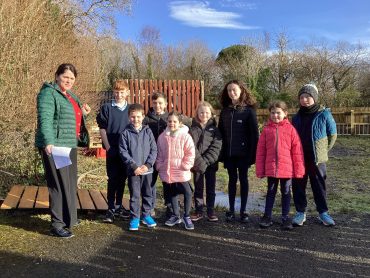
350	121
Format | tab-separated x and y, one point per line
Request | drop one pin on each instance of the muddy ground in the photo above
211	250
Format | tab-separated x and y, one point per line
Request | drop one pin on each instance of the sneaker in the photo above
230	216
188	224
134	224
109	216
286	224
173	220
326	219
149	221
61	232
266	222
122	213
244	218
212	217
299	218
196	216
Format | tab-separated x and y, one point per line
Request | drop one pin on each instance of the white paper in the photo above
61	156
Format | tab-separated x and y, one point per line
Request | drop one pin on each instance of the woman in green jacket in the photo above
61	123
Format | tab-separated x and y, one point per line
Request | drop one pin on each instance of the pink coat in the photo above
176	154
279	152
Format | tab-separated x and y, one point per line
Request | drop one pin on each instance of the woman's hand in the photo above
86	109
48	149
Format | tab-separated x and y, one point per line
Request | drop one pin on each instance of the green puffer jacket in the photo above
56	122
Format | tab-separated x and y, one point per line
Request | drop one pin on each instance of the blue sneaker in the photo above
188	224
134	224
326	219
149	221
299	218
173	221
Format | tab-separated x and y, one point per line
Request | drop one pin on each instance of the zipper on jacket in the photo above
276	152
231	133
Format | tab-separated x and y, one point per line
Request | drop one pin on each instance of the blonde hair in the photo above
120	85
204	104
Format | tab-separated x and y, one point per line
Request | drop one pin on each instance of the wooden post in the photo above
352	122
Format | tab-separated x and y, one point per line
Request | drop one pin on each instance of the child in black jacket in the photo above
208	143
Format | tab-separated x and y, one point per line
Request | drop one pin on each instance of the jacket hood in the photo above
181	130
282	123
131	128
195	123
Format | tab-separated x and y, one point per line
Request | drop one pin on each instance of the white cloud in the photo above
238	4
199	14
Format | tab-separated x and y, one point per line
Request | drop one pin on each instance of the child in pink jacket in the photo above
279	158
176	154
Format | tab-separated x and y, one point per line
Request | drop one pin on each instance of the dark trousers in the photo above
209	177
62	185
272	185
177	188
140	186
317	176
117	175
235	166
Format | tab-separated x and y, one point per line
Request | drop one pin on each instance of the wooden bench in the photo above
37	197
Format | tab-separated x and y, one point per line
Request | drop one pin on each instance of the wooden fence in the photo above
182	95
350	121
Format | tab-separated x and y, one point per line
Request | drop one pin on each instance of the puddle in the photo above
256	201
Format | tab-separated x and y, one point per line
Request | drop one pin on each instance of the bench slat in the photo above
12	199
85	199
28	198
98	199
126	203
42	200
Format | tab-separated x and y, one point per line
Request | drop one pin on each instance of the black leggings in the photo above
177	188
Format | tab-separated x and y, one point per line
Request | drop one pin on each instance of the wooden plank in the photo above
98	199
146	95
104	193
150	93
42	199
28	198
188	98
183	97
169	98
12	199
132	92
137	91
85	199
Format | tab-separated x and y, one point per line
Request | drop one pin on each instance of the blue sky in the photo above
222	23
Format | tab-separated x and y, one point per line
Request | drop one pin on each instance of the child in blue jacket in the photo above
138	151
317	129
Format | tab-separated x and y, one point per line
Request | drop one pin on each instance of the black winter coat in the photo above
208	145
157	123
239	129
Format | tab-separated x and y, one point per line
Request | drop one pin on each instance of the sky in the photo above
222	23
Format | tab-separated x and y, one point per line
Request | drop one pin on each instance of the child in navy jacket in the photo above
138	151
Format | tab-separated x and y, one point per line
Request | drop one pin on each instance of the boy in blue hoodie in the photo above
318	132
138	151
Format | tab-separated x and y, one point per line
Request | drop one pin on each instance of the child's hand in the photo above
144	169
86	109
138	171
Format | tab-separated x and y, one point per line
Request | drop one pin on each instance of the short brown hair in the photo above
120	85
136	107
278	104
157	95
